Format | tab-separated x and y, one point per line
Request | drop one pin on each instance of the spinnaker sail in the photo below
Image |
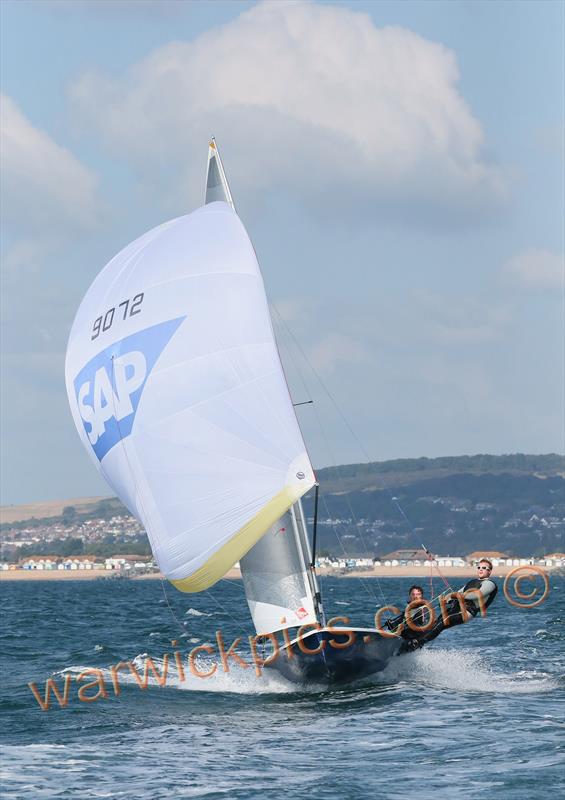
177	391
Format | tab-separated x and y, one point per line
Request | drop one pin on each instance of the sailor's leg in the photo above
438	626
453	617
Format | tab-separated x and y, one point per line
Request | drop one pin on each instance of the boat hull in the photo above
335	656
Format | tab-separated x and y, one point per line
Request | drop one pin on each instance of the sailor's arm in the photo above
487	587
395	622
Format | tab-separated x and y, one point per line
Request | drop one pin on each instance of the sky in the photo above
398	166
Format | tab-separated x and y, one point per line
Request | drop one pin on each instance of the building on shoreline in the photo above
418	559
119	563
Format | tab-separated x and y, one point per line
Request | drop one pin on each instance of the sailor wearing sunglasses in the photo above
484	583
478	594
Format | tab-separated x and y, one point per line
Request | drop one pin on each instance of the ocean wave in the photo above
193	612
466	671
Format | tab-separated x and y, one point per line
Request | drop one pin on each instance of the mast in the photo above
315	526
318	594
309	558
294	574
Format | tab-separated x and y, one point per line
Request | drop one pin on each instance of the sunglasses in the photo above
487	568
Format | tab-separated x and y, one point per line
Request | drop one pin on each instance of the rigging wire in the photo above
355	437
429	555
364	583
333	459
225	610
171	609
330	451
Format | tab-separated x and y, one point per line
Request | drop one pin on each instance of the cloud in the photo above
537	268
462	321
41	454
336	348
45	188
289	310
22	255
312	98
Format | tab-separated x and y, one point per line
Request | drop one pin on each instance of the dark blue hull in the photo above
329	656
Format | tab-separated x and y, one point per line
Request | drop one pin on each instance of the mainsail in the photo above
178	394
276	579
217	187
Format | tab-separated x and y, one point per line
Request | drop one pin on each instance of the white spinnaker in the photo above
186	401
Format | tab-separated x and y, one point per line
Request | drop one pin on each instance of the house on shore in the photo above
418	558
405	558
129	561
498	559
552	560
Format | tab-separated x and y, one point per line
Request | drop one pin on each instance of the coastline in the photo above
235	574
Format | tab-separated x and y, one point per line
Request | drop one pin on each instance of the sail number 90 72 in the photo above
130	307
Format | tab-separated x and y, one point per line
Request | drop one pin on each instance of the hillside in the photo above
55	509
47	509
404	471
515	513
513	503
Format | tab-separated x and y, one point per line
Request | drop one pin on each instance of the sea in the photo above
477	714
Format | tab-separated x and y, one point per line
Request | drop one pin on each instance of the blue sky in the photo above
399	167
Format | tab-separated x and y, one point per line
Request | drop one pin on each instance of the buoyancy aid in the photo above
488	590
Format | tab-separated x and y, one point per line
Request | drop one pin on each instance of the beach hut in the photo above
493	555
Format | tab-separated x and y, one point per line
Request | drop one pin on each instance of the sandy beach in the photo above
420	573
58	575
84	575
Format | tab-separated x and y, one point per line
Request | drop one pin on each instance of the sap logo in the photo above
109	387
105	397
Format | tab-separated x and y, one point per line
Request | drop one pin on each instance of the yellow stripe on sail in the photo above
224	558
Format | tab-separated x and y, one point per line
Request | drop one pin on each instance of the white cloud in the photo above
311	97
537	268
23	255
462	321
45	189
336	348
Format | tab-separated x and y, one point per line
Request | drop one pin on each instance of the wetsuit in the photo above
455	612
418	616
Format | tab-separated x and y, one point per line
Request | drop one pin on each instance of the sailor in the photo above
418	617
477	594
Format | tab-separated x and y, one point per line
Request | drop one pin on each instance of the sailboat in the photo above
179	396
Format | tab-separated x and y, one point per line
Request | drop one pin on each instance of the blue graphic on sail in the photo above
108	388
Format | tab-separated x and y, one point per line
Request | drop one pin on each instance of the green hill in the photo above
403	471
454	504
